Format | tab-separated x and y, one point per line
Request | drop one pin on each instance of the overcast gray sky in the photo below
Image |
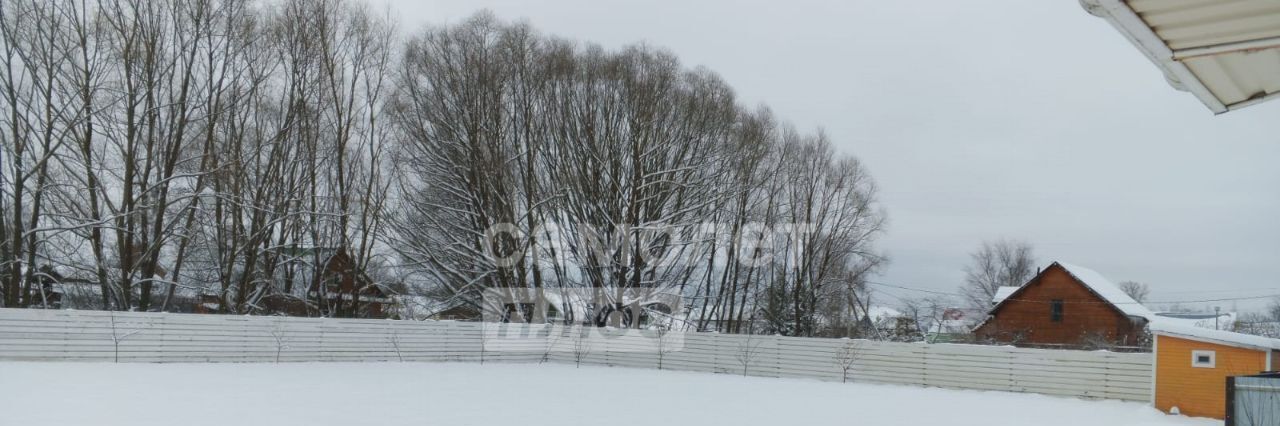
983	119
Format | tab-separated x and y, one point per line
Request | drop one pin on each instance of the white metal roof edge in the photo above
1254	101
1125	20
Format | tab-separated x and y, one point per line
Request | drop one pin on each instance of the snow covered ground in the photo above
457	394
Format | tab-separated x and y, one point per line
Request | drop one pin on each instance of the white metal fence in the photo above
31	334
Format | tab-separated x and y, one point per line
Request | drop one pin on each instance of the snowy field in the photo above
457	394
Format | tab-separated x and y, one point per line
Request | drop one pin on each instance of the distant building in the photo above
881	319
343	290
1066	306
1213	321
954	326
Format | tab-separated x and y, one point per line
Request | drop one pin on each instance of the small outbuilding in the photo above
1192	365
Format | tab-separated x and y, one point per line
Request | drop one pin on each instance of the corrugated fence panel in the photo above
42	335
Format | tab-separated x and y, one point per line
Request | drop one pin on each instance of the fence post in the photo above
1230	418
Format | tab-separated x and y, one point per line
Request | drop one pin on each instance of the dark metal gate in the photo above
1253	400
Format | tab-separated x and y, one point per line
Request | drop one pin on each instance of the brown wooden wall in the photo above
1025	319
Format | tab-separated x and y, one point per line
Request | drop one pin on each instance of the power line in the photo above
1232	290
916	289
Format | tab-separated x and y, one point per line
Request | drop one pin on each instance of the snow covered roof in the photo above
951	326
1180	329
1003	293
882	313
1108	291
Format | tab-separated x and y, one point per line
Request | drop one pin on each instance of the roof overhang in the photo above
1221	337
1227	54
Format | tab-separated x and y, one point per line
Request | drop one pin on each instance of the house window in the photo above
1203	359
1055	310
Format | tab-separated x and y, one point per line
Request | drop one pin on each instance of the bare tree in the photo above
120	333
29	86
1259	324
832	219
455	179
748	349
662	342
1273	309
394	340
1138	291
1096	340
551	339
280	335
995	264
485	328
581	344
846	356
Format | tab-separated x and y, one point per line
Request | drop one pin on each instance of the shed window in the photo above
1203	359
1055	310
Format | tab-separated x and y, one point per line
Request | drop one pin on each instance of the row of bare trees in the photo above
151	148
157	150
531	162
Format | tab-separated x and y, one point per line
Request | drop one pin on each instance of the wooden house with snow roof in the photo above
1066	306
